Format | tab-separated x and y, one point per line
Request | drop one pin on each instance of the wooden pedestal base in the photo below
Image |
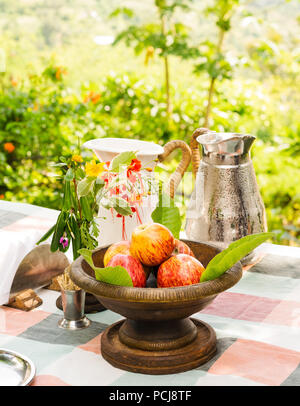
168	361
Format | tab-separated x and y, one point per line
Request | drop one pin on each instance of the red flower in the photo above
135	165
59	72
92	96
9	147
115	191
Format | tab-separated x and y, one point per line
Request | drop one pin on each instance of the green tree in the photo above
213	61
163	37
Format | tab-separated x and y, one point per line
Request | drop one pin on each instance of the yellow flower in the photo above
93	169
149	54
77	158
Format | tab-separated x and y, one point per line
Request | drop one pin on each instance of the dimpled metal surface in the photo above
226	204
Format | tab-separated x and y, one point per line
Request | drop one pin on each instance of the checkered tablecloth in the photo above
257	323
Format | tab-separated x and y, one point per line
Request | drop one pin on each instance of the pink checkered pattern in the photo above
257	323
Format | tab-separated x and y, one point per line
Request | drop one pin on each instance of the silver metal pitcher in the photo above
225	204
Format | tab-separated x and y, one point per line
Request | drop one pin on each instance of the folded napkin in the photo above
21	226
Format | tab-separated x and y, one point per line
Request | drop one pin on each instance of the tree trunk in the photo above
167	72
209	102
212	83
167	82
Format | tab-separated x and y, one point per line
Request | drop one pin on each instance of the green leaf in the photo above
114	275
76	240
98	185
85	186
95	229
167	214
69	175
86	207
79	174
47	235
67	199
88	240
231	255
58	231
120	205
122	10
124	158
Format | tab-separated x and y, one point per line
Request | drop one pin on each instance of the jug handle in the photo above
195	148
184	163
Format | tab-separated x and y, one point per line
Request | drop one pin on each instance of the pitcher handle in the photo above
184	163
195	148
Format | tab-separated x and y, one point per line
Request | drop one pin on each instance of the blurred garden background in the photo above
73	70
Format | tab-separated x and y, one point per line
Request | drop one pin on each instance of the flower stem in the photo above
78	201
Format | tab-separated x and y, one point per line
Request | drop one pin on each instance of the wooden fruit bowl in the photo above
157	335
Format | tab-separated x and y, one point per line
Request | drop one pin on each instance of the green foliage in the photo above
75	221
236	251
85	185
88	234
171	42
278	174
122	10
31	119
167	214
169	6
114	275
213	62
129	107
122	159
121	206
47	110
223	10
164	37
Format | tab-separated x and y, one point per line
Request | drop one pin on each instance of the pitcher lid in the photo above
226	143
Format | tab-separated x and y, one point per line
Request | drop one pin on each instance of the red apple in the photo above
182	248
121	247
151	244
133	267
179	270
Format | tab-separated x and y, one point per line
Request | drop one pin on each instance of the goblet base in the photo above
168	361
84	322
